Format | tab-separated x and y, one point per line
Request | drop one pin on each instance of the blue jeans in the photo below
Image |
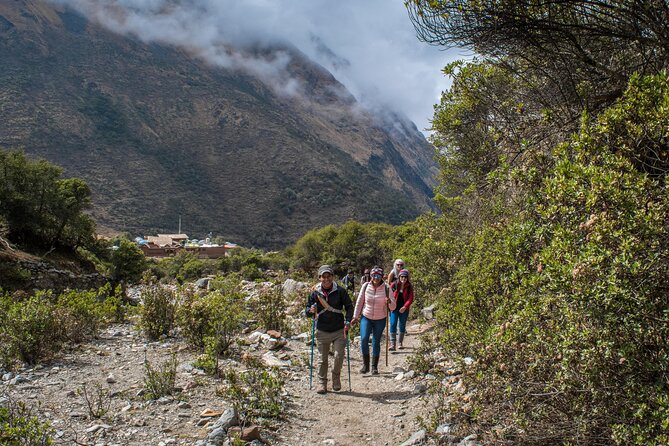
395	315
370	327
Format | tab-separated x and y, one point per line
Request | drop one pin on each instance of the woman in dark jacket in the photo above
403	291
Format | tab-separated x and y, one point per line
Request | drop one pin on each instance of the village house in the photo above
168	245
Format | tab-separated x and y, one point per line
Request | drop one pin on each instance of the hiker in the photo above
365	277
349	282
332	309
402	289
394	273
371	309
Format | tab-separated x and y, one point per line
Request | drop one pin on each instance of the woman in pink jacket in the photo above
371	309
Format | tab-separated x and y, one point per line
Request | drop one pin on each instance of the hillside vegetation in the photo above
551	258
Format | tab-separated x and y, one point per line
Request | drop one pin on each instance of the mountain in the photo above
158	133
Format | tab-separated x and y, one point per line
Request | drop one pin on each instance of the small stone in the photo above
207	413
273	333
410	374
399	370
111	379
399	377
247	434
416	438
329	442
184	405
97	427
420	388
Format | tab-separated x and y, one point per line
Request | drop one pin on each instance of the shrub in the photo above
19	427
217	316
80	314
29	330
256	392
98	399
160	382
269	308
157	313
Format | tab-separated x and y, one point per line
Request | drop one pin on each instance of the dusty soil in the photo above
379	410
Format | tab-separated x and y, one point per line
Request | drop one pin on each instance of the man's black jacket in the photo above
338	299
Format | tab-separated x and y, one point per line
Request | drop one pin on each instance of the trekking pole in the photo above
311	363
348	361
387	332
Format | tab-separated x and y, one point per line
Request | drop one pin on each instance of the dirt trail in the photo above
379	410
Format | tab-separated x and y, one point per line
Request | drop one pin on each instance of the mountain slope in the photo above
158	133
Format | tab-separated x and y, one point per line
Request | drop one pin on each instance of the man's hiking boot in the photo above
393	342
375	365
322	387
365	364
336	382
401	340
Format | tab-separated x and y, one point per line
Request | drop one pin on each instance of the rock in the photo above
111	379
399	377
276	344
292	287
469	440
7	376
416	438
184	405
329	442
247	434
428	312
420	388
302	337
468	361
18	379
410	374
96	427
217	435
272	361
208	413
443	428
273	333
228	419
255	336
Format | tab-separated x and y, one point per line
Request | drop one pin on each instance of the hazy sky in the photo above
369	45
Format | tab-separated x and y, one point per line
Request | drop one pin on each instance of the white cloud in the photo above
370	46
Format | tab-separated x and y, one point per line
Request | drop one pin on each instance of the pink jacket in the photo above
372	304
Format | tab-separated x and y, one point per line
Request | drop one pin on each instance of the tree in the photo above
127	262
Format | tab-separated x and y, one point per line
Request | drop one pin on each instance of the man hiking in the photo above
349	282
332	310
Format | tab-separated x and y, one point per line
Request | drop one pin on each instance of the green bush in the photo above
19	427
564	302
28	328
80	314
216	317
157	312
269	308
160	381
255	392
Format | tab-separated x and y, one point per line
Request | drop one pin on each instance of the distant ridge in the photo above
158	133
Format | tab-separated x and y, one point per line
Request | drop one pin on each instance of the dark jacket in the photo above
349	283
338	299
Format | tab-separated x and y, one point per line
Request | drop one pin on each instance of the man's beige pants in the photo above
324	339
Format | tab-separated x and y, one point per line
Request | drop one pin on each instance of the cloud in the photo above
369	46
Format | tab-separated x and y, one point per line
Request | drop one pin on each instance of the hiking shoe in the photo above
322	388
336	383
365	364
375	365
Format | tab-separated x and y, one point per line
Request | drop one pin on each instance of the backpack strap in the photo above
326	305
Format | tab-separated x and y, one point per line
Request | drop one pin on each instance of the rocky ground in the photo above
378	410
